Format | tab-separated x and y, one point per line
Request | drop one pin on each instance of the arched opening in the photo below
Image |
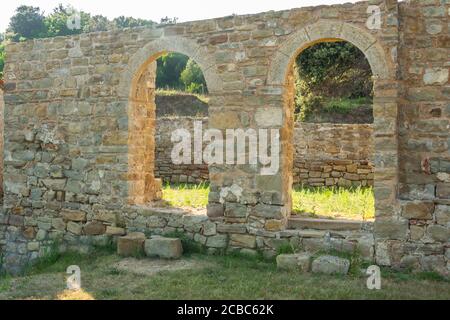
333	158
137	88
169	92
182	102
385	110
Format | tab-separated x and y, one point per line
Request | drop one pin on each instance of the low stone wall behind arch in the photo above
326	154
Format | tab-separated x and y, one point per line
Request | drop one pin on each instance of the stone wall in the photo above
2	223
2	107
164	166
80	121
324	154
329	154
422	237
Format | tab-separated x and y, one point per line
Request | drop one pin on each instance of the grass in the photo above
334	202
331	202
345	105
220	277
186	195
173	92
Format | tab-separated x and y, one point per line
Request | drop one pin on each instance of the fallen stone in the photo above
131	244
294	262
330	265
166	248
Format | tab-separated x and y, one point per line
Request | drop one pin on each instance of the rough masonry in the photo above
79	138
325	154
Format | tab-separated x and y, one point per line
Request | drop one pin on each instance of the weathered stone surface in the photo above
439	233
330	265
115	231
166	248
74	228
80	130
72	215
294	262
435	76
94	228
418	210
391	228
215	210
218	241
243	240
442	214
131	245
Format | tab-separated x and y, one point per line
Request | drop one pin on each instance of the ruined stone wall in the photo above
324	154
2	222
2	108
79	119
164	166
424	137
329	154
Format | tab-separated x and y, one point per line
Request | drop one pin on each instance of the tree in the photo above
97	23
330	72
167	20
56	22
193	79
129	22
169	69
336	69
27	23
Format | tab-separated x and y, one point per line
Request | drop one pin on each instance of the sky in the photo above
184	10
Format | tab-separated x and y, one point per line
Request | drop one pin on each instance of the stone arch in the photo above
137	88
328	31
385	106
144	56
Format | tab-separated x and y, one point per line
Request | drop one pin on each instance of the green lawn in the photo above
215	277
333	202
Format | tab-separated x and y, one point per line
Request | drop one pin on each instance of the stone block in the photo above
418	210
94	228
72	215
330	265
243	241
166	248
131	245
115	231
294	262
218	241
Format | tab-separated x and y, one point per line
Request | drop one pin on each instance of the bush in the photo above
331	77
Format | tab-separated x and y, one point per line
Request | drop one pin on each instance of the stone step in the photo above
324	224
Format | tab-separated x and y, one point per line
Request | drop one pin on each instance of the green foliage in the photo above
28	22
193	79
328	76
2	59
56	22
169	69
129	22
96	23
177	72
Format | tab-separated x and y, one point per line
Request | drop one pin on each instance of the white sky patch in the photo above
154	10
